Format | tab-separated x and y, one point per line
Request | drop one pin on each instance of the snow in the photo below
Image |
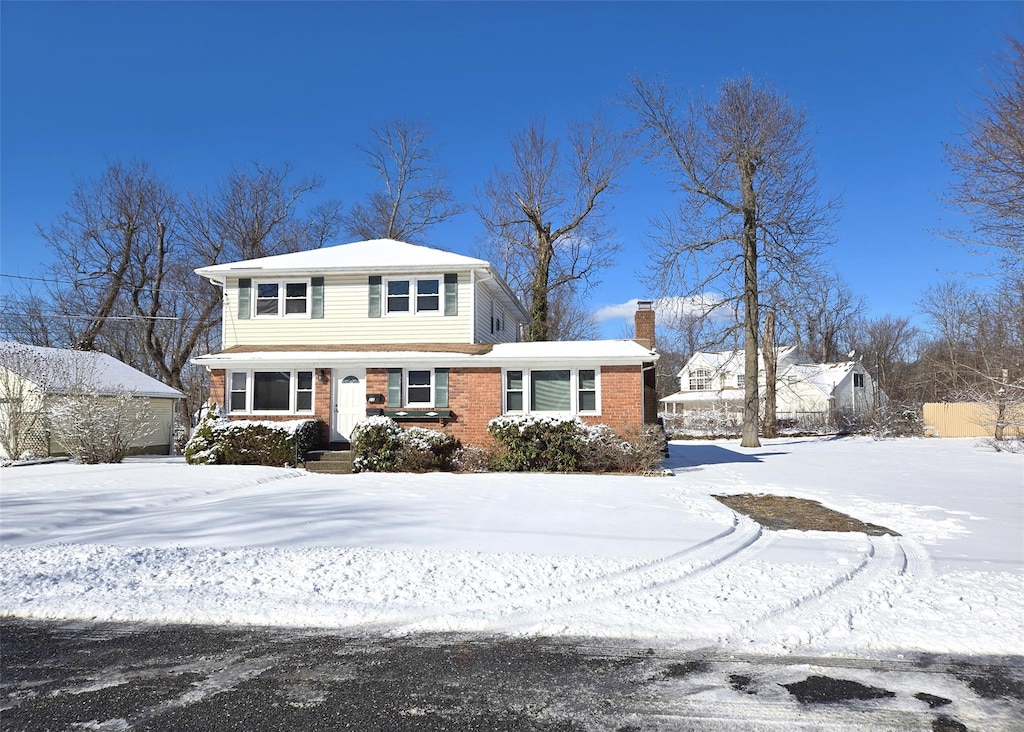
100	371
651	558
376	254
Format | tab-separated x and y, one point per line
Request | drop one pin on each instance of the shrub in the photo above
605	451
424	450
897	420
472	459
537	443
99	428
217	441
381	446
376	443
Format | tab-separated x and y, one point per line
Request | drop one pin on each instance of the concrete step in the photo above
329	461
329	468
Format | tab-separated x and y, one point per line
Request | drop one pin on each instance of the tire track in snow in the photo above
892	567
744	537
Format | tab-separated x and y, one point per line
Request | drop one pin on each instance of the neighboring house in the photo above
29	372
421	335
805	392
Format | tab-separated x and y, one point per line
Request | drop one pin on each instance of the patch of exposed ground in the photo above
786	512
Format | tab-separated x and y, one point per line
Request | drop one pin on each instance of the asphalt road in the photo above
82	676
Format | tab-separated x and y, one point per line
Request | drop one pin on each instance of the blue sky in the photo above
197	88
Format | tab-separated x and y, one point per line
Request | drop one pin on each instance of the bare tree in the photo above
887	346
544	217
749	199
122	280
26	378
988	163
415	194
824	314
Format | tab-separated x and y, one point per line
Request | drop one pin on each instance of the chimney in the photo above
643	323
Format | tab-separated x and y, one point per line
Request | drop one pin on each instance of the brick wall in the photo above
321	400
622	399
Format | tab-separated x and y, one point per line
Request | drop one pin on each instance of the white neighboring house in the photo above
28	371
805	392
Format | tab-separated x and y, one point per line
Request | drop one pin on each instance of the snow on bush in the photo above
381	445
99	428
218	441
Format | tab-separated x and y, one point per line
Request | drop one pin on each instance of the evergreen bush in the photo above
217	441
550	444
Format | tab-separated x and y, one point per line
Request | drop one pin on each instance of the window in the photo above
513	391
741	380
400	296
569	391
497	318
419	388
549	391
271	391
858	380
700	380
239	383
428	296
304	391
587	392
274	299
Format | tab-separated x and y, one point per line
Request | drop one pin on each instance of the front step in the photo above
335	462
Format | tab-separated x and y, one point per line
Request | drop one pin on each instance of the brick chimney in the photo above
643	323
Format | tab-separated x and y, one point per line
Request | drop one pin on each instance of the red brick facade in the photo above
475	397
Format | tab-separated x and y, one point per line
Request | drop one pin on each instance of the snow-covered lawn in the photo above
617	556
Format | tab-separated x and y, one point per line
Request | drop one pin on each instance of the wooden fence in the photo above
959	419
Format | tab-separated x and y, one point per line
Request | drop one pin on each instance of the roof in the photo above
732	360
594	353
825	376
373	255
725	395
100	371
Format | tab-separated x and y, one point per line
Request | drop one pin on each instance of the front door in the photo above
349	401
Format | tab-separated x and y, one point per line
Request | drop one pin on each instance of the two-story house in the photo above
421	335
805	391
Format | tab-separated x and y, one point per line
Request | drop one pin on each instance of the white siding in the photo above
346	319
485	300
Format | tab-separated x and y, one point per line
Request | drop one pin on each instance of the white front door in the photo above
349	401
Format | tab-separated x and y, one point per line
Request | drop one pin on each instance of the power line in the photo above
86	283
95	317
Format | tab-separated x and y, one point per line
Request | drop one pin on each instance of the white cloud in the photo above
668	310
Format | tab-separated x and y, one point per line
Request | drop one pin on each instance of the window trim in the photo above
700	376
414	296
574	390
250	389
430	386
282	298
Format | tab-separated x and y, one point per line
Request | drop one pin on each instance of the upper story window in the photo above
276	299
741	380
414	296
858	380
700	380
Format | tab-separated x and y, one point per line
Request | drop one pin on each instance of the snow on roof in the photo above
682	397
732	360
99	370
825	376
597	353
375	254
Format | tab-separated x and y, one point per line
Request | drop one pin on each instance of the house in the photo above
806	393
29	375
421	335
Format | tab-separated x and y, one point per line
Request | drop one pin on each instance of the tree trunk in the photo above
771	364
751	401
538	328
